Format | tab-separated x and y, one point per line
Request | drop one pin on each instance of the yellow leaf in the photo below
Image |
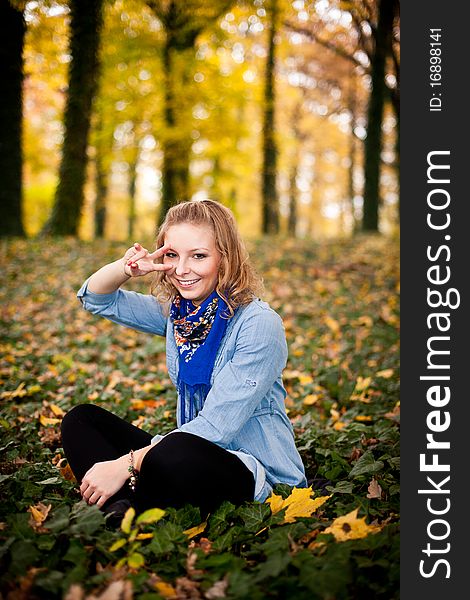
166	590
305	379
349	527
298	504
362	383
57	410
19	392
310	399
136	560
150	516
144	536
386	373
339	425
137	404
67	472
363	418
40	512
194	531
332	324
127	520
119	544
48	421
365	320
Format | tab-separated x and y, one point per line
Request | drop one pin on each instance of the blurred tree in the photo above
373	141
183	22
367	45
12	33
103	147
270	222
85	29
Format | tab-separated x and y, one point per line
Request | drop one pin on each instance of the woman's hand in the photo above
104	479
139	261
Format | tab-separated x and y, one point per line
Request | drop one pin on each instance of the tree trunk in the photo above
352	155
270	221
85	25
101	181
176	149
292	219
373	142
12	32
131	192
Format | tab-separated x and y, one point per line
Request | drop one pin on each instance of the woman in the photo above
225	349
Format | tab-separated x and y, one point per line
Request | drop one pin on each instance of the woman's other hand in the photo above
139	261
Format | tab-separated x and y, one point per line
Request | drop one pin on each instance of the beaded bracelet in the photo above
133	473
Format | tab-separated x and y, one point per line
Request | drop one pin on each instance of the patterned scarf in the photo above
198	332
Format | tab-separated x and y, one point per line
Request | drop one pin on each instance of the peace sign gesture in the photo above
139	261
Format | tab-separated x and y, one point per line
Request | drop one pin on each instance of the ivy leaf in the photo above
118	544
254	516
136	560
366	465
127	520
150	516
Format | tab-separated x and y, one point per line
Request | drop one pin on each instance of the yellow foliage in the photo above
298	504
48	421
311	399
194	531
57	410
349	527
386	373
127	520
166	590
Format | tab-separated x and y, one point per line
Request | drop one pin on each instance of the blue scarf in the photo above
198	332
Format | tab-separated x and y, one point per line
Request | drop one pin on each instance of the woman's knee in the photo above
77	414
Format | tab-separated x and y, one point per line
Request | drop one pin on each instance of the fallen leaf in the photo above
385	374
374	490
298	504
362	383
75	592
57	410
166	590
349	527
45	421
65	470
39	514
217	590
194	531
332	324
311	399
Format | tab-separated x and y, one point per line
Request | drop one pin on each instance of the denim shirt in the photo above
244	410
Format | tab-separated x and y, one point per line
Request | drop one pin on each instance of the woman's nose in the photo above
181	267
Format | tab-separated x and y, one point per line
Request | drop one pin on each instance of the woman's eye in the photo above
199	256
170	255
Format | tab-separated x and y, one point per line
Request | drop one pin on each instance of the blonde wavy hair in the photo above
238	282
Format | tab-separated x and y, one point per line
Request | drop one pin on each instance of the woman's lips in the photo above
187	282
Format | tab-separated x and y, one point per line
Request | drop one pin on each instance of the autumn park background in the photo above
287	111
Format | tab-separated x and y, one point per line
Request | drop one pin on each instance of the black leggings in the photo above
181	469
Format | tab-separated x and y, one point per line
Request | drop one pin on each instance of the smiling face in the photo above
195	259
